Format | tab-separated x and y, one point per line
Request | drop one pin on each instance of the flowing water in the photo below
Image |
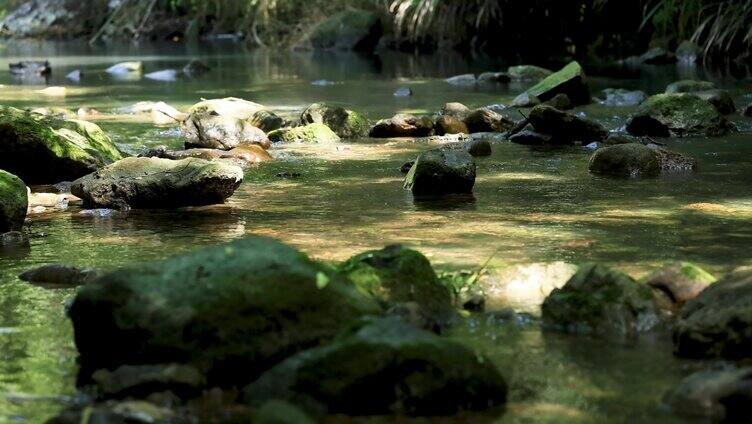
530	205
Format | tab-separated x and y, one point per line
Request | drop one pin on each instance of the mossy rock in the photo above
351	29
14	201
570	80
683	114
344	122
267	121
397	274
385	367
718	321
638	160
689	86
439	172
720	99
311	133
601	301
680	282
158	183
43	150
528	73
232	311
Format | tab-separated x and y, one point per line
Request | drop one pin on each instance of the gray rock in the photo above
718	394
403	92
462	80
165	75
619	97
158	183
721	99
30	68
638	160
485	120
683	114
202	130
59	276
344	122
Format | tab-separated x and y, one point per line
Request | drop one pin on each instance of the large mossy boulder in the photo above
43	150
232	311
141	183
438	172
666	115
385	367
396	275
209	131
718	322
601	301
570	80
344	122
565	126
311	133
638	160
14	201
351	29
403	126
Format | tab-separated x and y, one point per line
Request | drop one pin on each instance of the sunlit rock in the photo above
570	80
165	75
484	120
203	130
30	68
385	367
344	122
311	133
125	68
158	183
679	283
462	80
402	126
42	149
638	160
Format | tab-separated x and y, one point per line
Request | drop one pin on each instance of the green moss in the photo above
397	274
689	86
311	133
528	72
682	114
13	202
695	273
570	80
625	160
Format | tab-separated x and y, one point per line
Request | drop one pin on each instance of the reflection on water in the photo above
529	205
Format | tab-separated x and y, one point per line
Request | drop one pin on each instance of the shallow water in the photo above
530	205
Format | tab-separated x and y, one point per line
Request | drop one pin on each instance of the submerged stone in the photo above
689	86
438	172
396	275
718	321
462	80
570	80
638	160
125	68
565	126
14	202
403	126
344	122
242	156
32	68
683	114
718	394
601	301
385	367
58	275
311	133
619	97
158	183
43	149
232	311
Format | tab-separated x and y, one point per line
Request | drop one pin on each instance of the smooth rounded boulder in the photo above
397	274
678	115
486	120
209	131
14	202
232	311
344	122
601	301
438	172
638	160
720	394
679	283
47	150
402	126
228	106
717	323
243	156
142	183
385	367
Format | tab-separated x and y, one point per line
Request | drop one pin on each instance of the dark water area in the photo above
529	205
